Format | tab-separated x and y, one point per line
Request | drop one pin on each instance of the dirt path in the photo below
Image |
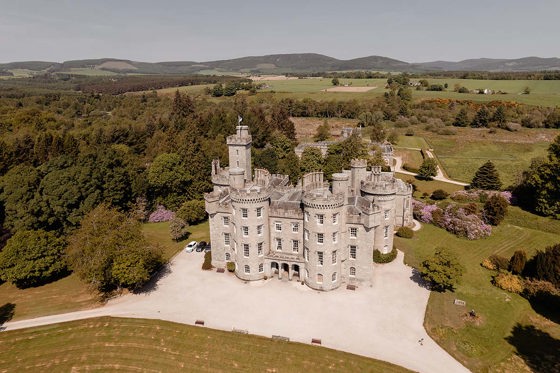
383	320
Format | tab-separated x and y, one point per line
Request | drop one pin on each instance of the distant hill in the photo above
285	63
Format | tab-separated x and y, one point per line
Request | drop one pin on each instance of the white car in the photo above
190	247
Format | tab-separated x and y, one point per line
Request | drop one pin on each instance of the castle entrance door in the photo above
295	271
274	268
286	270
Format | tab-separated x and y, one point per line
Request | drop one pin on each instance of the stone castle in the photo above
320	234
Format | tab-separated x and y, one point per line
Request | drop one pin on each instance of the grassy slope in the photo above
106	344
481	345
70	294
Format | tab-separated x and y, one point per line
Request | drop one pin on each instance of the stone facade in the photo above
317	233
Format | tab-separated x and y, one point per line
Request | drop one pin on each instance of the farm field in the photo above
487	343
71	294
105	344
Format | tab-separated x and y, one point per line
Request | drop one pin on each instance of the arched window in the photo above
352	271
228	256
320	278
334	277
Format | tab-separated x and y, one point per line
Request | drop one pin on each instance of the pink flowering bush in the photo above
453	219
161	214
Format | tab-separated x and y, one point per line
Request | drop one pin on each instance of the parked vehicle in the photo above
190	246
200	247
208	248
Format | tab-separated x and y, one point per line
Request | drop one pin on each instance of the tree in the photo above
495	209
442	270
405	93
217	90
18	191
428	169
335	81
168	180
192	212
462	118
32	258
109	251
311	160
547	264
481	118
517	262
499	116
178	229
486	178
323	132
378	133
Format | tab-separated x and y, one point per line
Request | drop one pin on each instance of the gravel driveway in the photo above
383	321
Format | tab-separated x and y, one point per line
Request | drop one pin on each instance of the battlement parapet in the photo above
248	196
323	201
379	188
358	163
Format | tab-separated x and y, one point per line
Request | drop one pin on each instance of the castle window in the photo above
320	219
334	257
334	277
306	273
244	213
228	256
353	250
295	227
335	218
320	278
320	238
306	214
260	248
386	231
245	231
385	249
247	269
352	271
353	232
306	234
335	237
226	239
261	268
306	254
386	214
320	257
259	212
279	244
278	226
295	246
226	220
259	230
246	250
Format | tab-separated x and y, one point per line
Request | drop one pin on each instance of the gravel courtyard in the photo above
383	321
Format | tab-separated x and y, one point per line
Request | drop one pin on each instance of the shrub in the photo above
495	209
192	212
178	229
488	264
409	132
207	264
442	270
161	214
409	168
500	263
405	232
378	257
439	194
508	282
230	266
517	262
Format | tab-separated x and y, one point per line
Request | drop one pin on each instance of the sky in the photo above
175	30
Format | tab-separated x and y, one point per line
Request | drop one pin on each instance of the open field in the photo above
481	344
463	153
105	344
306	128
410	157
358	89
70	294
428	186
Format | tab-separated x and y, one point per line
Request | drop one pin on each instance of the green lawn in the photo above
417	142
481	344
425	186
109	344
158	234
409	157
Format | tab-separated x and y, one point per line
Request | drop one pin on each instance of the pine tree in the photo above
323	131
499	116
462	118
481	118
517	262
486	178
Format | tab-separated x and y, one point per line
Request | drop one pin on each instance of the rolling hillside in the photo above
283	63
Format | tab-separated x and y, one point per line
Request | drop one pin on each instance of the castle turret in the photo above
359	173
240	150
340	184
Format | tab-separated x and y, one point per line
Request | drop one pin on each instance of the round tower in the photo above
251	231
383	194
322	239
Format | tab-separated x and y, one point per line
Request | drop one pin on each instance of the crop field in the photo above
109	344
481	344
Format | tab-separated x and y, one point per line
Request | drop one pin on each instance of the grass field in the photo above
412	158
109	344
480	344
425	186
462	154
70	294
